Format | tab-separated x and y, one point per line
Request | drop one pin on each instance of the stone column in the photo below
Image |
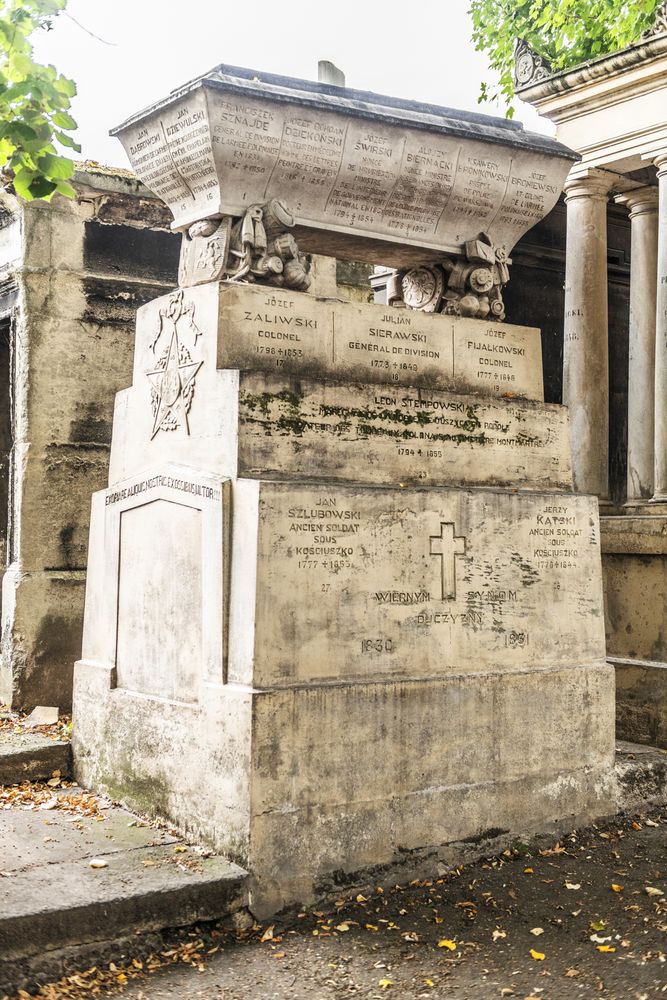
585	347
660	484
643	205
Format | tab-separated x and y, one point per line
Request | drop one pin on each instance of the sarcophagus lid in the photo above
366	177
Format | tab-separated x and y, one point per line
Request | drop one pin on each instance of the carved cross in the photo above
448	546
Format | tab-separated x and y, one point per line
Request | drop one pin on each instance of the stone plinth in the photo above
359	612
442	699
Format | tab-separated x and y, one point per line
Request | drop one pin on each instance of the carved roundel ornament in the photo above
422	288
524	68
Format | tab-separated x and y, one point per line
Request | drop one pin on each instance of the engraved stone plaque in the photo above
164	578
367	177
303	428
279	331
423	583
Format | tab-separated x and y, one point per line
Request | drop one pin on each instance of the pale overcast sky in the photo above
413	50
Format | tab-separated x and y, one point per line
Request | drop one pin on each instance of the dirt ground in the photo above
583	918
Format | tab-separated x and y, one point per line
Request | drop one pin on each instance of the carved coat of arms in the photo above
172	381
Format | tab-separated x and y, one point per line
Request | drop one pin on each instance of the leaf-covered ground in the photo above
583	918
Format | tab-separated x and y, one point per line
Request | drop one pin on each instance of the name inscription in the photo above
289	427
294	333
340	171
426	584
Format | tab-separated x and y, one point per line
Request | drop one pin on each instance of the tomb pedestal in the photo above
343	610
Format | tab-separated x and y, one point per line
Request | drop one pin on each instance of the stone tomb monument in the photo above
343	610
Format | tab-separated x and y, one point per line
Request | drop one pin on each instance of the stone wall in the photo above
72	275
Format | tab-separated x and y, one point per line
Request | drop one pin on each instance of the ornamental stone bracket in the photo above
467	285
255	247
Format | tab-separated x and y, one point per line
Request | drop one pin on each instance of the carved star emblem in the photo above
172	386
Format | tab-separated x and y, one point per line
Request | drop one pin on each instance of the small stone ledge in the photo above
641	772
32	757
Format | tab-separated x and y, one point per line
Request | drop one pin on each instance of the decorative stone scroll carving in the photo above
257	247
529	66
469	285
659	26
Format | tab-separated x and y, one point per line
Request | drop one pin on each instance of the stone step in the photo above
641	773
32	757
61	912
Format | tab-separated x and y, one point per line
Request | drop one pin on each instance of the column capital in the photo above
640	201
593	184
659	159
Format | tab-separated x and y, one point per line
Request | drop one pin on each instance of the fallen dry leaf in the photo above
537	931
499	934
572	973
605	947
98	863
268	933
384	984
616	888
573	885
446	943
652	891
537	955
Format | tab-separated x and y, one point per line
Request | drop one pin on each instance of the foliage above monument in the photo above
34	104
563	32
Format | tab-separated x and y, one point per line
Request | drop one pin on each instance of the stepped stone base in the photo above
421	693
59	913
32	757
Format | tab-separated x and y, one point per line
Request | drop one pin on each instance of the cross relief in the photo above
447	546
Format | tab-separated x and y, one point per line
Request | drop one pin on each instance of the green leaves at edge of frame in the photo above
566	32
34	105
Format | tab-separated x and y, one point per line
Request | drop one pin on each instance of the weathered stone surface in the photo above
367	177
633	563
179	514
302	428
418	584
449	760
284	332
641	701
298	589
641	772
81	275
43	715
463	606
31	757
55	904
291	428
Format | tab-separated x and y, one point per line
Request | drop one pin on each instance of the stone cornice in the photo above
604	71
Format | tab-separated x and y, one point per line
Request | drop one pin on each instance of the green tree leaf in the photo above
566	32
34	104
